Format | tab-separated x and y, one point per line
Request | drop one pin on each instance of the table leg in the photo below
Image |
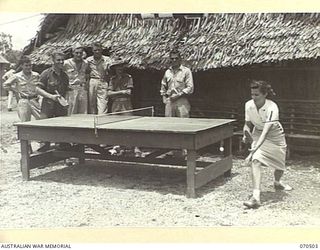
25	160
240	144
191	170
82	157
227	152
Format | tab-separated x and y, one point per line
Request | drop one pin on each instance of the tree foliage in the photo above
13	56
5	43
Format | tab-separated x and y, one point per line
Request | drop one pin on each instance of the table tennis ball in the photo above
221	149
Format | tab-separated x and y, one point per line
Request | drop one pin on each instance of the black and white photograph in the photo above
160	120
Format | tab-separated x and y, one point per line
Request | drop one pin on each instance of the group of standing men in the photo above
88	83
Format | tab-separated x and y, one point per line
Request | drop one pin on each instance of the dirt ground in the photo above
101	195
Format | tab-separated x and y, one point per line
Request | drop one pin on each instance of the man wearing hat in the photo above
98	64
78	71
120	87
120	91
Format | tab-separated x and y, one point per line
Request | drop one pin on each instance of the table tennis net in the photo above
122	116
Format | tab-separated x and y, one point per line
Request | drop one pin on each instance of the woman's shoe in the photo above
252	203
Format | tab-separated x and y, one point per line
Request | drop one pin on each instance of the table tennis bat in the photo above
63	102
248	136
246	161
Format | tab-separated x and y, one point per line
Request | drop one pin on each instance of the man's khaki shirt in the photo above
23	84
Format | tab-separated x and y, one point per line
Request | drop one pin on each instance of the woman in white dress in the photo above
265	133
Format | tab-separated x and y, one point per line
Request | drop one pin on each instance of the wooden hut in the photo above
223	51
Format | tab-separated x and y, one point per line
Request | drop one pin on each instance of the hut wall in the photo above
231	85
146	90
228	88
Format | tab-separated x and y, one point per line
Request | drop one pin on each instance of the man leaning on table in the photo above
176	86
53	84
24	84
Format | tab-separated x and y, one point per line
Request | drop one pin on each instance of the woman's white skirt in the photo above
272	152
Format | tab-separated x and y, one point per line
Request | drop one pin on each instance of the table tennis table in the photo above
160	133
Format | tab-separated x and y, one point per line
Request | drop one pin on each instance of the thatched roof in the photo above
212	41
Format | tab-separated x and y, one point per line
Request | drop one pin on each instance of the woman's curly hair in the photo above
263	86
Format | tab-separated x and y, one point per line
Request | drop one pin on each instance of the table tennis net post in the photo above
113	117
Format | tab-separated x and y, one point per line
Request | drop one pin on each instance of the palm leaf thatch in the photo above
213	41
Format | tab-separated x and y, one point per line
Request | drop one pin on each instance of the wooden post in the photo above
240	144
288	153
82	156
25	160
191	171
292	116
227	152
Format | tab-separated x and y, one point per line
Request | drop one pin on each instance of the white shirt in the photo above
269	112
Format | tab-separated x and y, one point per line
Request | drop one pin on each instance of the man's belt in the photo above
77	85
28	97
121	99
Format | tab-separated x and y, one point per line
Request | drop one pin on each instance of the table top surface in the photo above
128	123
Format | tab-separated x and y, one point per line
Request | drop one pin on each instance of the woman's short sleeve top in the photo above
269	112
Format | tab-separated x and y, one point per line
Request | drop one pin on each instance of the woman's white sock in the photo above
256	194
